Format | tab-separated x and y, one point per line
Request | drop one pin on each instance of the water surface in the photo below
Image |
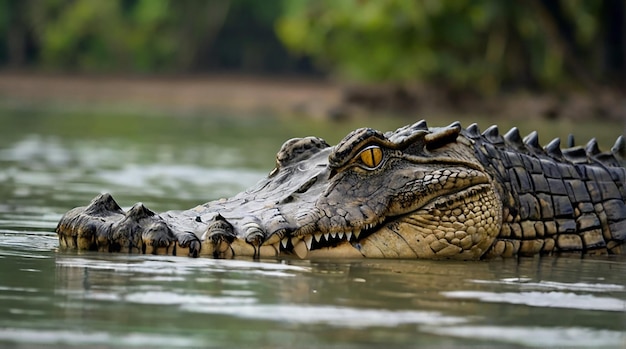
51	162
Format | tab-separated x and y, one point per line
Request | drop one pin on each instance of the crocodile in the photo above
417	192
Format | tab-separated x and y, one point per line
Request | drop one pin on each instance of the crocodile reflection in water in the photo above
417	192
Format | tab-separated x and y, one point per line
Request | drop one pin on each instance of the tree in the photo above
483	45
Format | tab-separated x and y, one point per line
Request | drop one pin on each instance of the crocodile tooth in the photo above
333	234
308	240
275	237
300	250
284	242
348	235
327	236
592	147
317	236
356	233
340	234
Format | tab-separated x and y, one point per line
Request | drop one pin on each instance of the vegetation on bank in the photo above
482	46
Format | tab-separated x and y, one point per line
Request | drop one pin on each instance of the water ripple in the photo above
128	339
541	337
180	265
329	315
188	300
525	283
544	299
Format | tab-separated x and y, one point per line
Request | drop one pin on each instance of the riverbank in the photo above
177	95
322	99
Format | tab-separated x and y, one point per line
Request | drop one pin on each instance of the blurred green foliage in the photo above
479	45
145	36
484	45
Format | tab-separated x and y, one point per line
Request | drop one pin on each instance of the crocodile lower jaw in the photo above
346	244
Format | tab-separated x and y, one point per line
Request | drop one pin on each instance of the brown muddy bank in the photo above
321	99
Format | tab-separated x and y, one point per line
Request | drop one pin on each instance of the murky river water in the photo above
51	162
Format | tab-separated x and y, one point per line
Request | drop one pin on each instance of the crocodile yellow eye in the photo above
371	156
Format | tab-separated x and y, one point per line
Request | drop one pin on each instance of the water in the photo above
51	162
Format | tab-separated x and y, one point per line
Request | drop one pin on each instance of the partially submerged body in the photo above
413	193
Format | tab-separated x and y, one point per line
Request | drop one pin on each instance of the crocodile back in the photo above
554	200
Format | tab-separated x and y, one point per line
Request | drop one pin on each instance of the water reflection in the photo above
411	299
120	300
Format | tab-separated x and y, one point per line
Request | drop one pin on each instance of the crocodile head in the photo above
413	193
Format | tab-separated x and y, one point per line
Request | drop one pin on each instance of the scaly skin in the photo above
413	193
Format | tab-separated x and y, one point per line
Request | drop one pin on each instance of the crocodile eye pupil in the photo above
371	156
